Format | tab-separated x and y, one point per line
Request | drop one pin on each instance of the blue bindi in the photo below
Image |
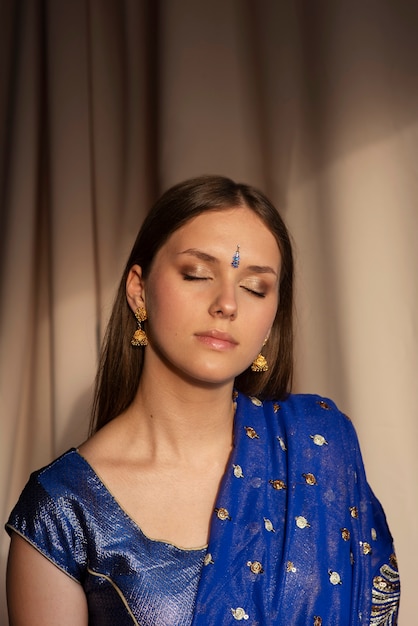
235	258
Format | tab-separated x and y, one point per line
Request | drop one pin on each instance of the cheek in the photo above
165	307
268	311
268	321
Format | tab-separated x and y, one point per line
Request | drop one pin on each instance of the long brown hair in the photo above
120	365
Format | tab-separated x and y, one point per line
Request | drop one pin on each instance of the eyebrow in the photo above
261	269
204	256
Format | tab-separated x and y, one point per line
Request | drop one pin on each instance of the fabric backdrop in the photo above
105	103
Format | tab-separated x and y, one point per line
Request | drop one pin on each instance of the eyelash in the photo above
259	294
190	277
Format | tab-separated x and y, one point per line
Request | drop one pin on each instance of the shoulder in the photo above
63	475
311	422
303	411
310	406
56	487
58	478
52	509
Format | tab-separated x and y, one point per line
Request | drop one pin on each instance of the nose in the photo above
224	304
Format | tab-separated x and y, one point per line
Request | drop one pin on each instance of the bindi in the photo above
236	257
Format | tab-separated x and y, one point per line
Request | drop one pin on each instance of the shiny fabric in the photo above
297	537
68	514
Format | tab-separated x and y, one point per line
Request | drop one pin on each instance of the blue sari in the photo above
297	537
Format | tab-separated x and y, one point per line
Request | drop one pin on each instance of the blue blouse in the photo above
68	514
297	536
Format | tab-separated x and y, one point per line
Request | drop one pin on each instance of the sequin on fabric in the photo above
385	595
238	473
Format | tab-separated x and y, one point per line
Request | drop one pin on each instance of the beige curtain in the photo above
105	103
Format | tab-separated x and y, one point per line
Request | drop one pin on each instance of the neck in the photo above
183	420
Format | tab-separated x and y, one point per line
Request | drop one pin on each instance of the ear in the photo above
135	288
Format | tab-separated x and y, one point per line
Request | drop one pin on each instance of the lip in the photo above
217	339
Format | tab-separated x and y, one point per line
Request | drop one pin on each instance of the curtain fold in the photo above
105	104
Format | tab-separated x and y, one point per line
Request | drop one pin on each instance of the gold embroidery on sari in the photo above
385	595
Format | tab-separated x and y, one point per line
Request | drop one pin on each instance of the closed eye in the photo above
191	277
259	294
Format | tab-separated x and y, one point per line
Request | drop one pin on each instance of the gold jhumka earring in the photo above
140	337
260	363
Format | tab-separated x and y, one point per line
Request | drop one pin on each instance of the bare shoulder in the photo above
106	445
38	592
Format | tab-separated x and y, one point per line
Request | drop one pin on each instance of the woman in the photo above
207	493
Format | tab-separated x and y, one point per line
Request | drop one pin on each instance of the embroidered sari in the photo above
297	536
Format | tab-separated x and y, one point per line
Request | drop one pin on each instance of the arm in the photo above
38	592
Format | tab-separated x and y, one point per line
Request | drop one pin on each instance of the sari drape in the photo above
297	536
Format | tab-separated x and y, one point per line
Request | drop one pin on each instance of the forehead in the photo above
220	231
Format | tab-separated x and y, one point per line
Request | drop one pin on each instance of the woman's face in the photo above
208	320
